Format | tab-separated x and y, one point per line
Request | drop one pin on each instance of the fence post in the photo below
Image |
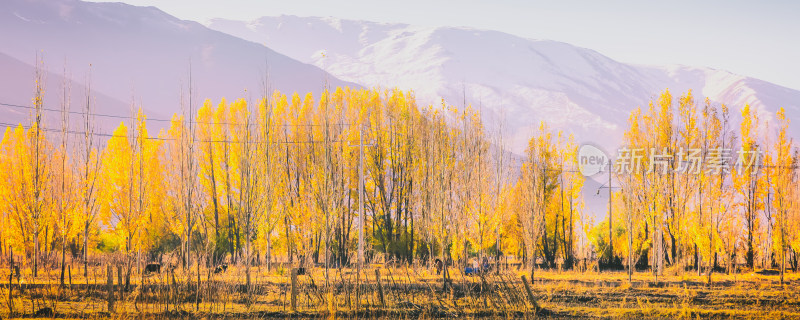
10	296
110	288
531	298
119	283
10	292
380	287
294	289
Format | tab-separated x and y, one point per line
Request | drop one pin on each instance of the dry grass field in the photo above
407	293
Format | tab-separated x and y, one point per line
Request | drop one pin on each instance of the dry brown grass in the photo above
411	293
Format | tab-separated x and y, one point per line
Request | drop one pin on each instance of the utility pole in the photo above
610	231
361	211
610	227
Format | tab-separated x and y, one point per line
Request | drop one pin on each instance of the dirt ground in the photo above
402	293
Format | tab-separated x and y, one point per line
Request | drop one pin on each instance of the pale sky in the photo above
754	38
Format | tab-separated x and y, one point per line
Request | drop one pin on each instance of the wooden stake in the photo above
10	296
69	271
10	278
531	298
294	289
110	288
119	282
380	287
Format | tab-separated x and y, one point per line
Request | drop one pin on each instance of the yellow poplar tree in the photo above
746	180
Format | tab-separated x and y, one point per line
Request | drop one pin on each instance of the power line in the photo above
9	125
102	115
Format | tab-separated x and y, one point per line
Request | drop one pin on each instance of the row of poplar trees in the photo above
276	179
738	208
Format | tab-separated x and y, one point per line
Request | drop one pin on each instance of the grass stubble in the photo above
409	293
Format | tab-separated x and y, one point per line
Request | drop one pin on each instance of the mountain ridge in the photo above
145	55
574	89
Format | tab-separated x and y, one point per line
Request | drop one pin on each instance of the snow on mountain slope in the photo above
515	80
144	53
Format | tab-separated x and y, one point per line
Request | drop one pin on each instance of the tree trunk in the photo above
269	252
63	257
86	252
247	255
36	254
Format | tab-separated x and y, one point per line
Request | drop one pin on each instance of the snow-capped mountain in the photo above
139	54
517	81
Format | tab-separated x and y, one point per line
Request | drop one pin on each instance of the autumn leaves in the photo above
278	179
